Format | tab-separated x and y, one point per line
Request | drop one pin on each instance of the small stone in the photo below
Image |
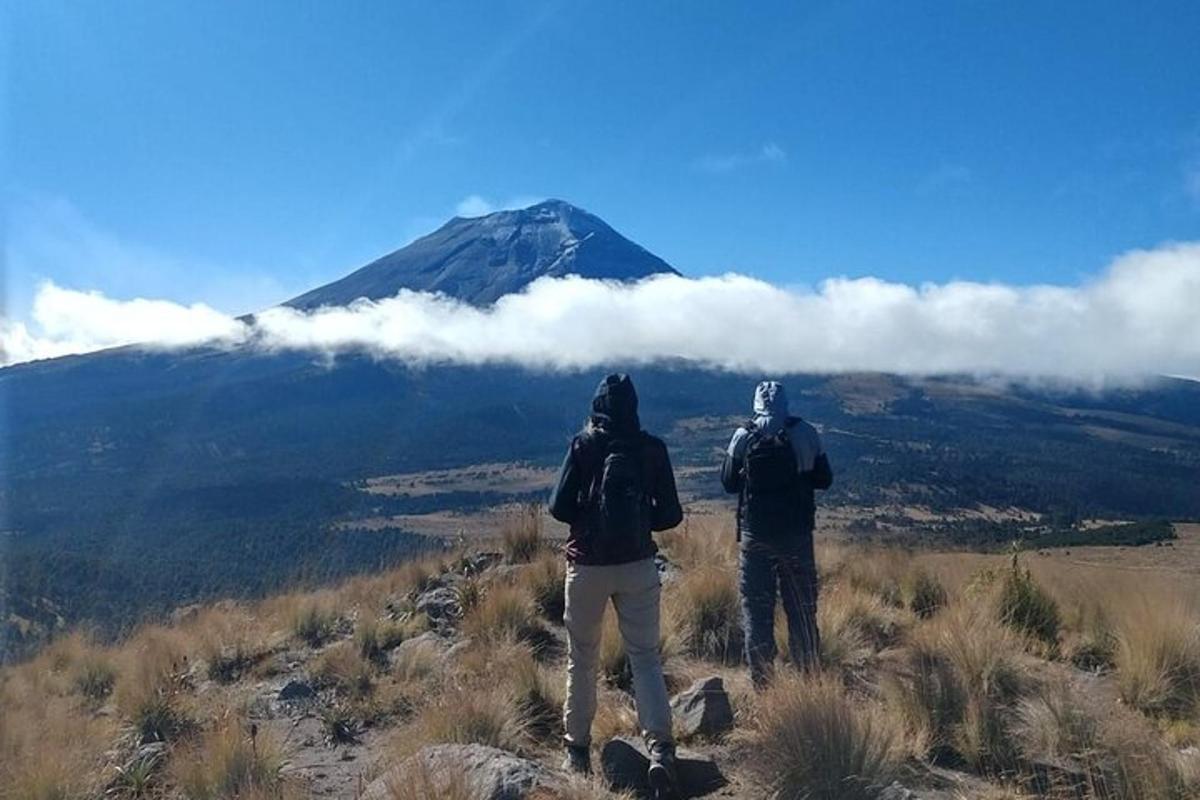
703	709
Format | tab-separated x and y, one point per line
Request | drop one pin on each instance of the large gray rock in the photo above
440	604
703	709
489	773
624	763
897	791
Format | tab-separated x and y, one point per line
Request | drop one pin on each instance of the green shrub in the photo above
1026	607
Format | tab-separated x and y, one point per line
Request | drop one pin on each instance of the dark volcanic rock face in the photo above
481	259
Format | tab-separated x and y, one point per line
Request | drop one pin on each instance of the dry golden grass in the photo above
1115	751
313	617
153	683
855	625
701	541
231	759
546	579
50	747
935	672
957	684
465	715
1158	656
810	739
342	668
521	534
505	612
414	780
703	610
374	637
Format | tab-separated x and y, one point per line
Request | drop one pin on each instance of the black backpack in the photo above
770	499
618	495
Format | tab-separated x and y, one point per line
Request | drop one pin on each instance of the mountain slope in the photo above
480	260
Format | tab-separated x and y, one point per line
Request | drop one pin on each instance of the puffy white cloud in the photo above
1139	317
70	321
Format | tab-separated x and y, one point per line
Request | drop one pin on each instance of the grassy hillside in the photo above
130	478
955	675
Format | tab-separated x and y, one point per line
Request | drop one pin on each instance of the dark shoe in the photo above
663	775
578	760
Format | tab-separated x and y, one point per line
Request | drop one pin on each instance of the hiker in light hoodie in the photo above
615	487
774	463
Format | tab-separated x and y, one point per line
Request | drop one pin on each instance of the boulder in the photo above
624	763
440	604
297	692
703	709
428	640
489	773
897	791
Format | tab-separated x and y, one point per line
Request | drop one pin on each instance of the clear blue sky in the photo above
238	153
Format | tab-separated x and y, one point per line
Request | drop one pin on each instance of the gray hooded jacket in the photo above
771	415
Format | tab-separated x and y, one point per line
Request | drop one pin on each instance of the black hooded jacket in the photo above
614	414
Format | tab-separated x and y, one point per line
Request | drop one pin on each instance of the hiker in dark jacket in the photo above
615	487
774	463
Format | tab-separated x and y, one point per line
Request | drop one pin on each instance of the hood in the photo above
615	405
770	406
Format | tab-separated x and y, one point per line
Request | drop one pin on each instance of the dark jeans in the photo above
769	569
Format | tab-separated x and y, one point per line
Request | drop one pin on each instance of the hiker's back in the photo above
617	471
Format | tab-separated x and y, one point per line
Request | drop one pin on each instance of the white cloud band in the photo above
1142	316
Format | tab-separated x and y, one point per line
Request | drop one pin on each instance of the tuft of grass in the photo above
153	685
504	613
1114	753
546	580
313	621
467	716
339	724
1025	607
923	593
957	688
521	534
231	760
342	668
854	626
701	541
48	748
414	780
704	610
810	739
94	677
538	695
375	637
1158	657
1095	647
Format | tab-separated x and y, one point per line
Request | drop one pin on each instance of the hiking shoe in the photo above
578	760
663	775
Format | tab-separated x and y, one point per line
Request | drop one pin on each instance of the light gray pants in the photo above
634	590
